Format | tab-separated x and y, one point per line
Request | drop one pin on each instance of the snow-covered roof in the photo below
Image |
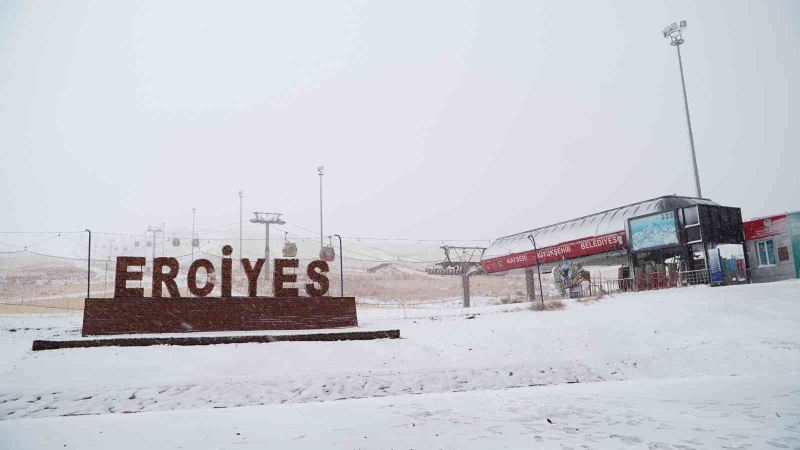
589	226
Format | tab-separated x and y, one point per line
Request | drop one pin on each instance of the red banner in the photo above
768	226
567	250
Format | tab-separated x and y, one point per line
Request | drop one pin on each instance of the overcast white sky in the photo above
435	119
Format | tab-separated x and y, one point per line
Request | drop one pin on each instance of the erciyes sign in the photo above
315	271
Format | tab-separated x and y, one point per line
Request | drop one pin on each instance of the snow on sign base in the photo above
214	340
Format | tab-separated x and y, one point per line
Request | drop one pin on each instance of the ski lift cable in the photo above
42	232
43	241
12	245
361	244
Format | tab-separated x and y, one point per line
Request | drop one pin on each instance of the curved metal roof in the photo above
593	225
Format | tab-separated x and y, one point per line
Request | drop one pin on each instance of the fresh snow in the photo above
683	368
701	412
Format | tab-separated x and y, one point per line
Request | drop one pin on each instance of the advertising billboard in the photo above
768	226
653	231
567	250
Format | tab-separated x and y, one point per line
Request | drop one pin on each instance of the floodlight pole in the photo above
89	265
341	267
538	272
675	33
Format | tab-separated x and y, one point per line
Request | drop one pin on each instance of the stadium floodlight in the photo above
675	35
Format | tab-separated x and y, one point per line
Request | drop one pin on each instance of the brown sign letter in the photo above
191	278
252	275
168	278
278	278
317	277
227	270
123	262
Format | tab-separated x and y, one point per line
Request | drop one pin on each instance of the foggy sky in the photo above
435	120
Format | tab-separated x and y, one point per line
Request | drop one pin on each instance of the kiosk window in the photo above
690	216
766	253
693	234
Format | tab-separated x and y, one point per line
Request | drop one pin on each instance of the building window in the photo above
766	253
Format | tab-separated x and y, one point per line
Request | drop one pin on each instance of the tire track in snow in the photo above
280	390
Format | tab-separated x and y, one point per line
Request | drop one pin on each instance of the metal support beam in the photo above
267	218
530	285
465	286
89	265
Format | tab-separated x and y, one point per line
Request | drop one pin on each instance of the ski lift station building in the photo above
675	232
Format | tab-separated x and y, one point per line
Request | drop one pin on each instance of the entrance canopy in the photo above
594	234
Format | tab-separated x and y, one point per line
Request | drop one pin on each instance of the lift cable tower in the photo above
464	261
155	230
267	218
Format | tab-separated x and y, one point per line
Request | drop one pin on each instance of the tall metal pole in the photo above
89	265
105	277
320	170
154	230
538	272
266	252
191	242
267	218
241	195
341	268
674	32
689	124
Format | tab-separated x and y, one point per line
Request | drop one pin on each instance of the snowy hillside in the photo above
683	368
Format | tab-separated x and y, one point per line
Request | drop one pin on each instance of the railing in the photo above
650	281
695	277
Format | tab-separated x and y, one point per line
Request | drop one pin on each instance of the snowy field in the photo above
684	368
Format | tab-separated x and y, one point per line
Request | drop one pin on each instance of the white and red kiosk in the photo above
652	240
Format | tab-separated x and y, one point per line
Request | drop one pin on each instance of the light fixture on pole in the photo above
674	32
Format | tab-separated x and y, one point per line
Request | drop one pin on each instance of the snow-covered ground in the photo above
683	368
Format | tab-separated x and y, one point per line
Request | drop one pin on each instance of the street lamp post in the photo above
341	267
191	242
674	32
241	195
320	172
538	272
89	265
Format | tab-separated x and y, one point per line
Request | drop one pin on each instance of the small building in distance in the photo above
773	247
